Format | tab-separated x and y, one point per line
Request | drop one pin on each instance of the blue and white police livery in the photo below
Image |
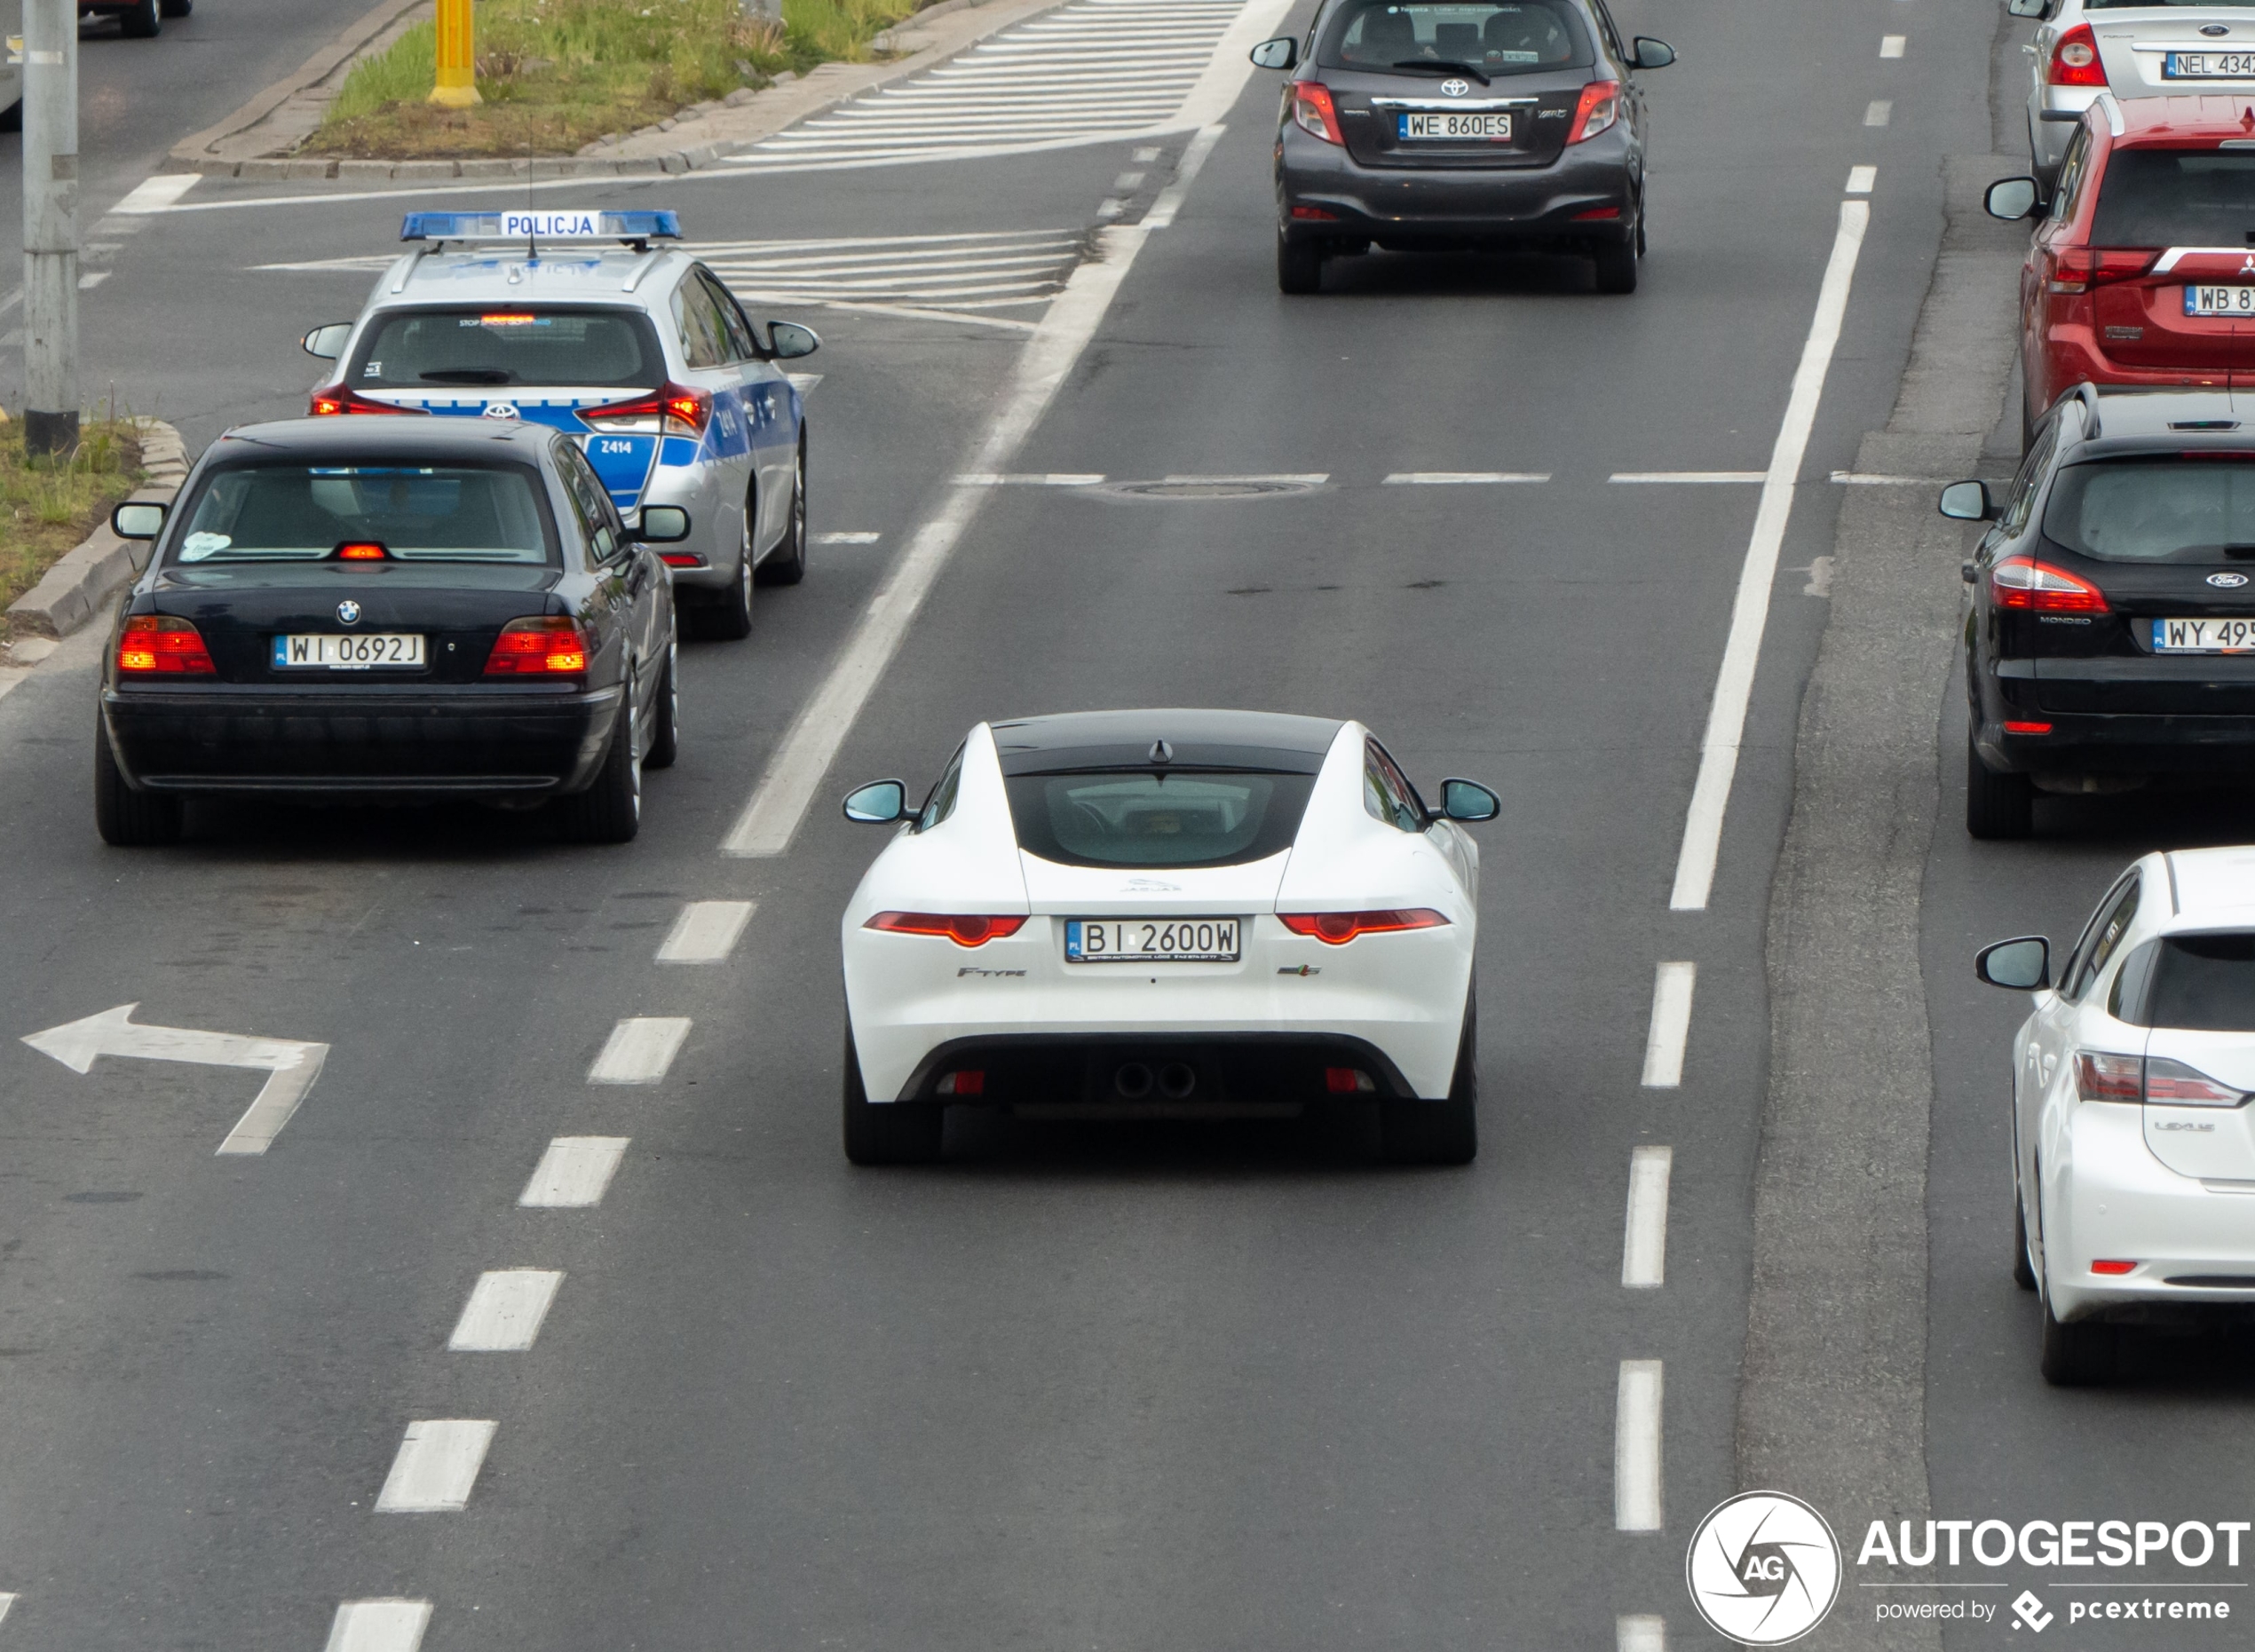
590	322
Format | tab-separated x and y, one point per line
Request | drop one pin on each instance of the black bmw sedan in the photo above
389	610
2112	632
1505	124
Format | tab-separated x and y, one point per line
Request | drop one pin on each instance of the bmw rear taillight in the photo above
963	928
2024	583
672	410
539	645
1599	108
1336	929
342	398
1313	112
2075	59
2079	269
158	645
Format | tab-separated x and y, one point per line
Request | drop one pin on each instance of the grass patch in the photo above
557	74
49	505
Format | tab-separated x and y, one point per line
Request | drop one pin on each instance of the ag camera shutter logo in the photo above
1763	1568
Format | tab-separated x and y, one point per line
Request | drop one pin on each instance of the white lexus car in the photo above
1203	912
2133	1142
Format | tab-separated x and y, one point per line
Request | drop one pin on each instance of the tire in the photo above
12	117
1616	267
1299	265
178	8
125	818
893	1132
610	811
2077	1355
788	566
145	22
730	620
665	712
1998	806
2023	1272
1439	1133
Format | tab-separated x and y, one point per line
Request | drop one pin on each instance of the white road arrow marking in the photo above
294	1065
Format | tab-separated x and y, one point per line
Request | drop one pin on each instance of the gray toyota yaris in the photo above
1433	125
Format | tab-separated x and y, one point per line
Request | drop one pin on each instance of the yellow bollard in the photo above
457	87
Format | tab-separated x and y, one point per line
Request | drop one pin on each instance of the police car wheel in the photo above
788	566
729	619
178	8
145	20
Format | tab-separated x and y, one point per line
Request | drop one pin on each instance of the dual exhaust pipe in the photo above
1175	1080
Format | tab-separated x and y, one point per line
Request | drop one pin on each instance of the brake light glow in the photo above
2038	588
2075	59
361	550
2026	728
1315	215
1599	108
1596	214
341	398
1336	929
672	410
2079	269
963	928
1313	112
1347	1081
2116	1268
158	645
539	645
2099	1077
508	318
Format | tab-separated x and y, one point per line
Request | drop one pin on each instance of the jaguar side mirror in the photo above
1968	502
881	803
2011	199
2021	966
1280	53
1469	802
328	342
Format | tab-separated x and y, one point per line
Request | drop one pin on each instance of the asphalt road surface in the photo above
1156	1386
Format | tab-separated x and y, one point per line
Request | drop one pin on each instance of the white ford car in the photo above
1203	912
2133	1141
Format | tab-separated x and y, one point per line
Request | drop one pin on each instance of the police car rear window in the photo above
421	513
473	349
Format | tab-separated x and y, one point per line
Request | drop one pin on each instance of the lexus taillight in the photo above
2079	269
963	928
2075	59
2038	588
1336	929
1313	112
1599	108
539	645
673	410
341	398
2099	1077
157	644
2102	1077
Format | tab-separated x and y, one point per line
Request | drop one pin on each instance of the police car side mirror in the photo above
2011	199
1968	502
1652	54
790	341
663	524
1280	53
881	803
131	521
328	342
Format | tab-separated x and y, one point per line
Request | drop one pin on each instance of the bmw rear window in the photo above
497	346
2176	198
1518	38
418	513
1156	818
2155	509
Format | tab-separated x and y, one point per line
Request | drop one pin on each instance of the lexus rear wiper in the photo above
1446	64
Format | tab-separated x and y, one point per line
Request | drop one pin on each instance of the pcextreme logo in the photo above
1763	1568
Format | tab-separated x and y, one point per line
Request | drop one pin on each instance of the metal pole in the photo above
457	55
766	11
49	226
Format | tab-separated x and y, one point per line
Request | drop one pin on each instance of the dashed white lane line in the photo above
1671	985
640	1050
1029	478
388	1625
1861	178
1892	45
838	538
1636	1447
1750	610
1640	1634
6	1600
436	1465
504	1311
154	195
706	932
1456	478
1880	111
91	280
574	1172
1693	478
1644	1243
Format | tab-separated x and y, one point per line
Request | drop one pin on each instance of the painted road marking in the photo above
1644	1245
392	1625
1860	180
6	1600
706	932
1671	985
1881	112
640	1050
1029	478
436	1465
1640	1634
293	1064
1750	611
91	280
1636	1447
155	194
1692	478
834	538
574	1172
1462	478
1891	45
504	1311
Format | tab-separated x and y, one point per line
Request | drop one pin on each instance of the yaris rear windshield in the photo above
2155	509
494	346
2176	198
1517	37
1159	818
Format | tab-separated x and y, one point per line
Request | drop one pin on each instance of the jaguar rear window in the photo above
1159	818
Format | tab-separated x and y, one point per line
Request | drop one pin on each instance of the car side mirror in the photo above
131	520
328	342
2028	8
881	803
787	341
2021	966
663	524
2011	199
1469	802
1280	53
1651	53
1968	502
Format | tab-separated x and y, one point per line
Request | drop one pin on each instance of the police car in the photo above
590	322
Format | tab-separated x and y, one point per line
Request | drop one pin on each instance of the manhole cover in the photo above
1213	487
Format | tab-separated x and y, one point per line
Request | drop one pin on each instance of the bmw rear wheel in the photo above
125	818
610	811
788	566
178	8
1299	265
144	21
890	1133
665	711
1439	1133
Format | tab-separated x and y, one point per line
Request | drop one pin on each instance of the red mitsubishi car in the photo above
2141	270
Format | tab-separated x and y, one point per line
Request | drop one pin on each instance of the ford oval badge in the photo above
349	611
2228	581
2214	30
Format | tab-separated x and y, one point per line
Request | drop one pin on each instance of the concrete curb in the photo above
196	153
77	587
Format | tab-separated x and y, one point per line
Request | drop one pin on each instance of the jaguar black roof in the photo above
1193	739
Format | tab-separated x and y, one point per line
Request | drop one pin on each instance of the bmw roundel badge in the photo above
2228	581
1456	88
349	611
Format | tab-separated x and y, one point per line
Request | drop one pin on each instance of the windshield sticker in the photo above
196	547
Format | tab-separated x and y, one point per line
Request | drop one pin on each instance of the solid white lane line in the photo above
154	195
1693	477
706	932
504	1311
1891	45
1169	200
1671	985
1454	479
436	1465
1750	611
1636	1447
1644	1243
640	1050
1861	178
7	1600
1029	478
393	1625
836	538
1881	112
1880	478
574	1172
1640	1634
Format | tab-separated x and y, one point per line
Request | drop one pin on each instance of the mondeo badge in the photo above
2228	581
1456	88
349	611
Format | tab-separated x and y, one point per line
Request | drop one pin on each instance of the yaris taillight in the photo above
1313	111
1599	108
